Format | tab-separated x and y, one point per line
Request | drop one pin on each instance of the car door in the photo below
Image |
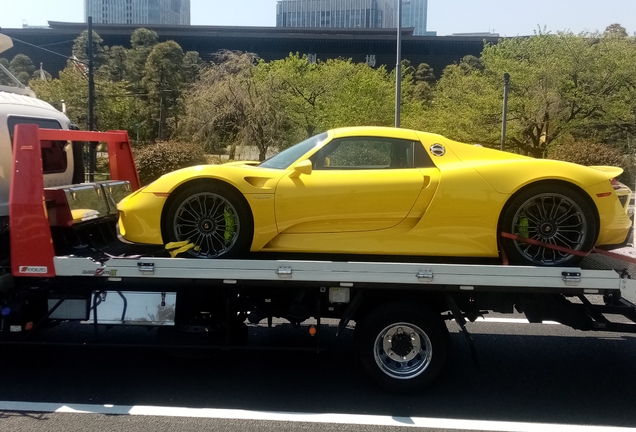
356	184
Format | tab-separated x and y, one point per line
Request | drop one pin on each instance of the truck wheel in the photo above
402	347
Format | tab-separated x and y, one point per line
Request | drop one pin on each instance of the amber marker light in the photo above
312	331
161	195
604	194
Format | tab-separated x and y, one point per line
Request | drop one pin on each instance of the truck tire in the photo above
402	347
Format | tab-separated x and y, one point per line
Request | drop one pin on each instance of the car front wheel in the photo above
213	218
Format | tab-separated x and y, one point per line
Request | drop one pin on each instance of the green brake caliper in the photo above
523	227
229	224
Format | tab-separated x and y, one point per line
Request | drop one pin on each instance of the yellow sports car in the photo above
373	190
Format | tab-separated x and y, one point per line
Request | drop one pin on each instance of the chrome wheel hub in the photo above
403	351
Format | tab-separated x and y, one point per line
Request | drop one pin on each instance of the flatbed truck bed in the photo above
399	308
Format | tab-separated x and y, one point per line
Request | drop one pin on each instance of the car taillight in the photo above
615	184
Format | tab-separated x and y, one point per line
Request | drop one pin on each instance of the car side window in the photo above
371	153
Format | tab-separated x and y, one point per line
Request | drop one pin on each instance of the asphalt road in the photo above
528	373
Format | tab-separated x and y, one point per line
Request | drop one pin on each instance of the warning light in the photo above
28	326
312	331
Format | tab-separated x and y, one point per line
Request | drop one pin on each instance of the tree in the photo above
115	67
233	104
365	98
192	65
164	82
322	95
242	100
142	42
80	47
304	90
22	68
114	109
616	30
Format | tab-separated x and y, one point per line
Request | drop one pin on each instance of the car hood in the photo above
246	177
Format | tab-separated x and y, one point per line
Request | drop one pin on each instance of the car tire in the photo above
212	216
550	213
402	347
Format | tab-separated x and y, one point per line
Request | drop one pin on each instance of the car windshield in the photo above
285	158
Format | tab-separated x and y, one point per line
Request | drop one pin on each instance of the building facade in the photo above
167	12
415	15
375	47
353	14
335	13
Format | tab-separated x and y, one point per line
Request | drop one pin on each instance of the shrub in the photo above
591	153
154	160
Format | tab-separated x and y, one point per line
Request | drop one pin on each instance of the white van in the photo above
57	156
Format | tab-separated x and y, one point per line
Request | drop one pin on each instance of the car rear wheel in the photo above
214	218
555	215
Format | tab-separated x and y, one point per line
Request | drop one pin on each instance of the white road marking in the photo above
511	320
352	419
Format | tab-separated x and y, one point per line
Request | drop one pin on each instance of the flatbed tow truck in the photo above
62	261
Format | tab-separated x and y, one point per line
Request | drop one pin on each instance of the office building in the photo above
335	13
168	12
415	14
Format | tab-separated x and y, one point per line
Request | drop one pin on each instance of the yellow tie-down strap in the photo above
176	248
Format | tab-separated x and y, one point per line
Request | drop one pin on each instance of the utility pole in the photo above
504	119
92	147
398	66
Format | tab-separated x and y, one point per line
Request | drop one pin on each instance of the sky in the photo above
505	17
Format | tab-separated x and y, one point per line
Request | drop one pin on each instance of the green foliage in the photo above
234	104
164	82
142	42
154	160
80	45
22	68
423	80
560	84
616	30
114	109
240	100
192	65
137	89
115	67
365	97
329	94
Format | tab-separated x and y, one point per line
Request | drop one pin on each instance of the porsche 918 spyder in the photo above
373	190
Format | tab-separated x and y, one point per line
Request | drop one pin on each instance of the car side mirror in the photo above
302	167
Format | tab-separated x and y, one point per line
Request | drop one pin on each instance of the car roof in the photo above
380	131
